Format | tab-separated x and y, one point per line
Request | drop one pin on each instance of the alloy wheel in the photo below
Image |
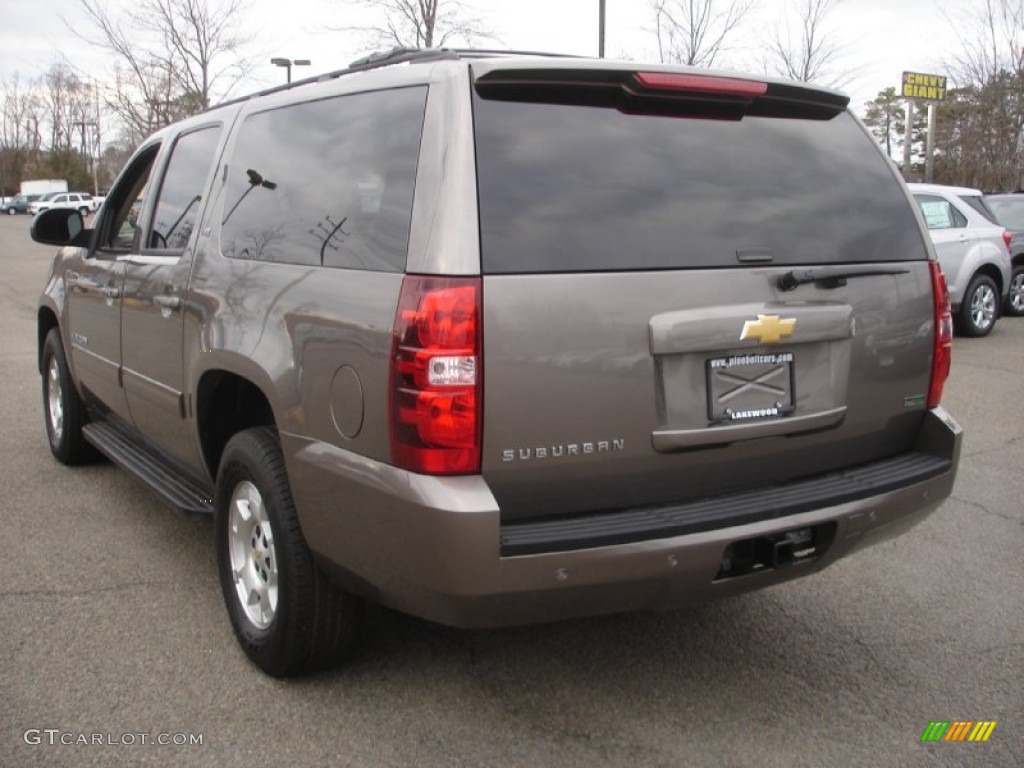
983	307
1016	299
252	554
54	400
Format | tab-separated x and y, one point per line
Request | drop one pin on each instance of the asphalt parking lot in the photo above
113	631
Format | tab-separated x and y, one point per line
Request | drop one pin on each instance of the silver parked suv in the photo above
499	339
973	251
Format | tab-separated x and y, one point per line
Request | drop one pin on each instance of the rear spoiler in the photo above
661	93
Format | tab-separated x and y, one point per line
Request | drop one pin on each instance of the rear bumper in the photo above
432	546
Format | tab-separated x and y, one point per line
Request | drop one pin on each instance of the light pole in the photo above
600	29
289	63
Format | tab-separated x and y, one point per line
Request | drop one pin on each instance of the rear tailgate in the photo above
688	293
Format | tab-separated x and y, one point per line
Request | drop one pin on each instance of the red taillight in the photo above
943	352
436	381
1006	239
701	83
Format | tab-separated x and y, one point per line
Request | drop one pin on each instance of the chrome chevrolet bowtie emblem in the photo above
768	329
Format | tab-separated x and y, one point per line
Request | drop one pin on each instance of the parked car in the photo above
1008	210
973	250
82	202
499	339
19	203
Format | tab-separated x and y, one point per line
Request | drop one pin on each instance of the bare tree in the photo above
803	47
423	23
64	99
695	32
21	123
21	131
991	42
172	57
980	132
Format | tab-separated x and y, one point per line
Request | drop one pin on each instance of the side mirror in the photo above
59	226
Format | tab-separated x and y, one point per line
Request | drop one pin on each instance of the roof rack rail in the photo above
383	58
472	53
398	55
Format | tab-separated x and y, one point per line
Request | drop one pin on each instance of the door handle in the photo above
167	302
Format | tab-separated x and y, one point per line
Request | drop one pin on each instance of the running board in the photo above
169	484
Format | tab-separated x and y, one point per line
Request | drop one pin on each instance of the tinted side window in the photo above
566	188
326	183
179	203
119	228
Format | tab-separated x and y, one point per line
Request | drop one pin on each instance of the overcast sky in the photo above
881	38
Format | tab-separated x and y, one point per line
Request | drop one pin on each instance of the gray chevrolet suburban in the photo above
497	339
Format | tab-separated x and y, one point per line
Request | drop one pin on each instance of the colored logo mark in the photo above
768	329
958	730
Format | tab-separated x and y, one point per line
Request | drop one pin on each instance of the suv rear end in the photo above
700	349
500	339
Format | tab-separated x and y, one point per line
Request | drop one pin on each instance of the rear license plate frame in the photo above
766	388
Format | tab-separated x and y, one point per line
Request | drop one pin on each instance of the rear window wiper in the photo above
831	278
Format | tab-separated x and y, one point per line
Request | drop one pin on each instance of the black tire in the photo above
11	211
64	412
1015	300
979	309
310	624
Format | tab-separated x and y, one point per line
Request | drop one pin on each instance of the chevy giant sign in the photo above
917	85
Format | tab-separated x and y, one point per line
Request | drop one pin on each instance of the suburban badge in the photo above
768	329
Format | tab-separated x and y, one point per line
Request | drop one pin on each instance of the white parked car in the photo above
83	201
973	251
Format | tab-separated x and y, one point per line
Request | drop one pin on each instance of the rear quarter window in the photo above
326	183
567	188
979	205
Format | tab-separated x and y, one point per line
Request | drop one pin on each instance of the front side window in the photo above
120	224
180	197
326	183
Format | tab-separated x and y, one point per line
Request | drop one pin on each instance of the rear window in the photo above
575	188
